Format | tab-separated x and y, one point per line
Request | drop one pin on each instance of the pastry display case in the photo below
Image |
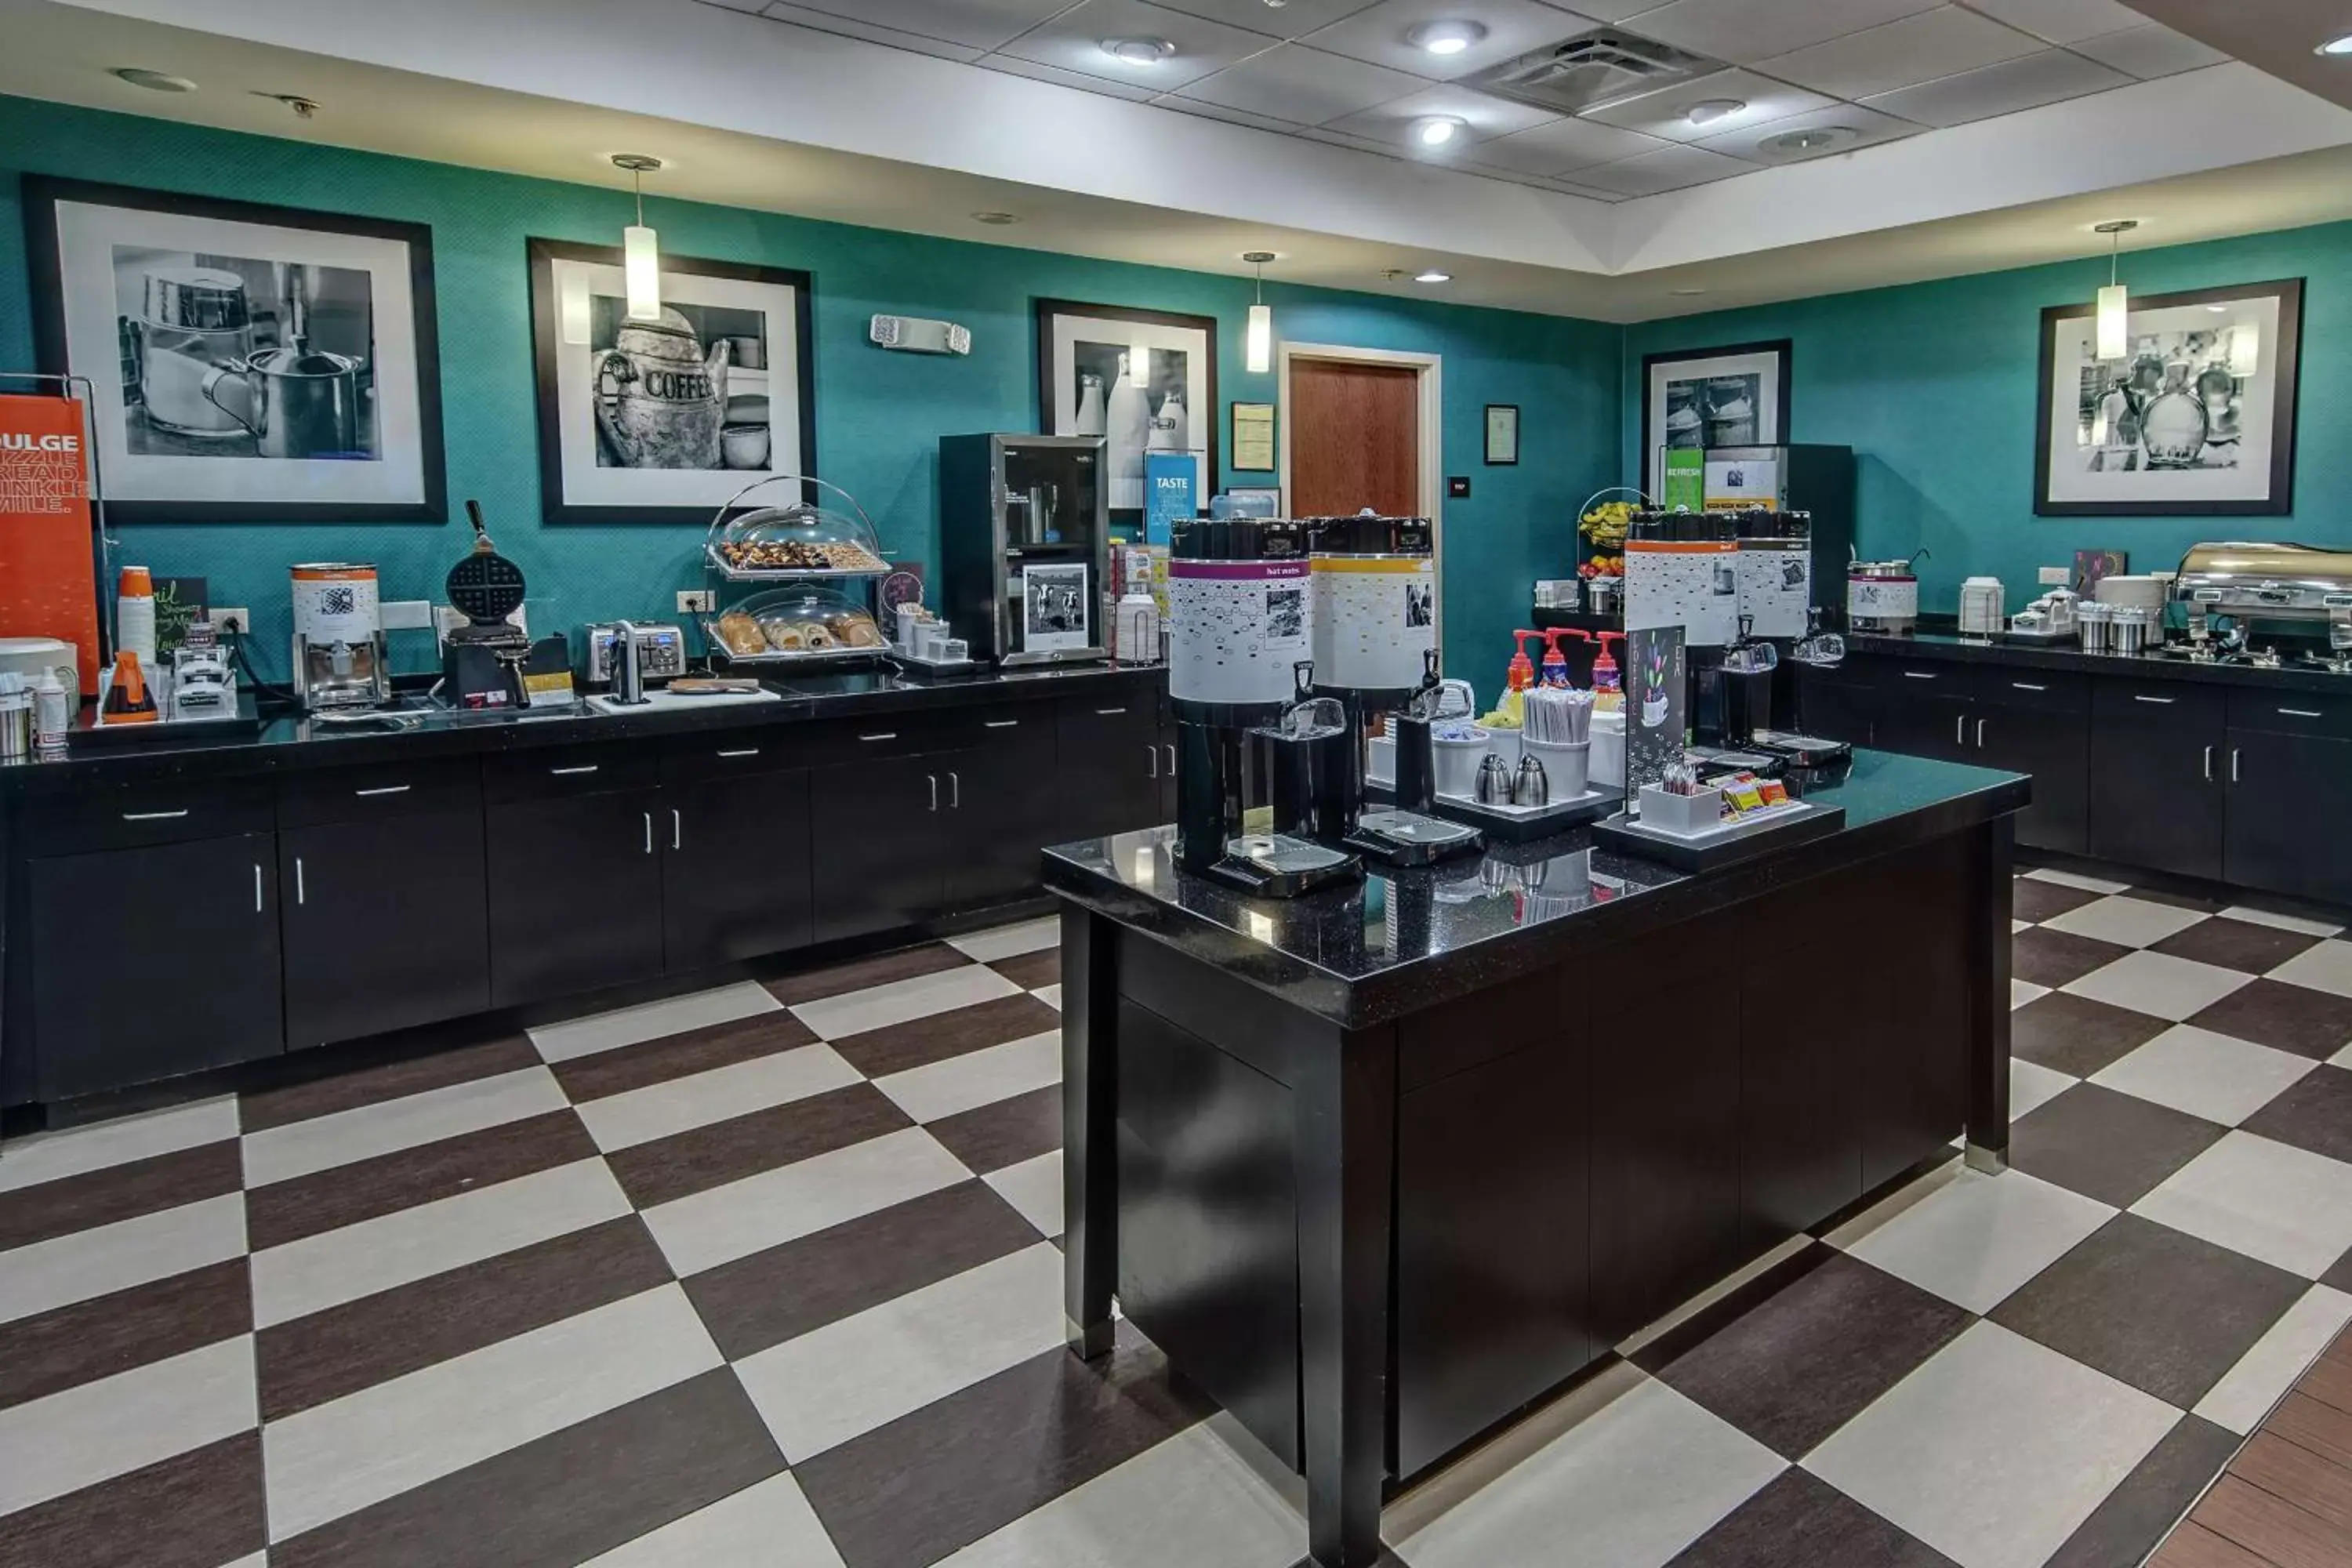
794	576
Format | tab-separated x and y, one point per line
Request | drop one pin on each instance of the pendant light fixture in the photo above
1258	342
2115	302
640	256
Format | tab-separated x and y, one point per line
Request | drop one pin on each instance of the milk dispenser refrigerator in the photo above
1024	546
1241	639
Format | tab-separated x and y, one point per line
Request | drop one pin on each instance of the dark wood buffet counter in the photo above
1381	1167
173	906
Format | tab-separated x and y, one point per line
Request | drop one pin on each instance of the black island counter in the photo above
1382	1167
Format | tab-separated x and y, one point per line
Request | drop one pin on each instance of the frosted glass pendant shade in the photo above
641	264
1260	339
2245	351
2114	338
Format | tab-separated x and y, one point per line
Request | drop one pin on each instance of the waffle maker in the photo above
481	661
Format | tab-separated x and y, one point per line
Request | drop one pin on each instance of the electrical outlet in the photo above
237	619
2055	576
695	601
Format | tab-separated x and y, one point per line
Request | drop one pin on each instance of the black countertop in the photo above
294	742
1954	649
1406	940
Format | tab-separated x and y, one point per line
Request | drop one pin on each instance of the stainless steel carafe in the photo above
299	402
193	321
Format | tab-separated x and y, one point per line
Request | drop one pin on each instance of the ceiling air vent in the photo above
1588	71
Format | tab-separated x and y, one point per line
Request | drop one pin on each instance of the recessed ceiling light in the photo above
997	219
1139	51
2219	309
1818	139
1715	108
154	81
1431	274
2336	48
1446	38
1437	129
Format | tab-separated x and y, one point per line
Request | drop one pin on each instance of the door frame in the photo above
1429	373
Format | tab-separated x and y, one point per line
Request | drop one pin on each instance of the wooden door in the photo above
1355	439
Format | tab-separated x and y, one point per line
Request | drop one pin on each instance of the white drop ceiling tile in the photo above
1903	53
849	28
1230	116
1012	65
979	24
1304	86
1378	32
2149	52
1291	19
1074	41
1349	140
2050	76
1746	31
1869	129
753	5
1665	113
1486	119
2062	21
1562	147
1667	169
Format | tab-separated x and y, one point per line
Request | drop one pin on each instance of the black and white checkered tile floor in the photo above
765	1276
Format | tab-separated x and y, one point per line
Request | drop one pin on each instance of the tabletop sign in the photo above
1655	696
48	572
1167	493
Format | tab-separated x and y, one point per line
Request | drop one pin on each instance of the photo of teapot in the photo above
660	401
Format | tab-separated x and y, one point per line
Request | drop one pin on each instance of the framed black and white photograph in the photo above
1736	396
249	364
1054	607
2195	418
666	420
1142	380
1502	435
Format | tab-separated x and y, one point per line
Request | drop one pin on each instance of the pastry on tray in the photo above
741	634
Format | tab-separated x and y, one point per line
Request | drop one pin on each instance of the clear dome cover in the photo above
783	624
805	528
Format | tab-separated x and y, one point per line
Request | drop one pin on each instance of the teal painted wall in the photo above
879	414
1933	385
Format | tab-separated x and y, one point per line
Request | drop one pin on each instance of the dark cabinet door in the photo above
735	868
2287	832
1111	765
2055	748
1665	1023
1492	1244
877	843
1836	710
999	813
1923	722
575	894
385	923
2156	777
1166	762
152	962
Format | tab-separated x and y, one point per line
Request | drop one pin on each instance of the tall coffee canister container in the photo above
1240	625
1375	607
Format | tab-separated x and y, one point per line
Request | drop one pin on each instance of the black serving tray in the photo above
1726	847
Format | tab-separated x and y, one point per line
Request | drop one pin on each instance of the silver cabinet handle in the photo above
649	832
2027	686
742	752
383	789
1107	711
1919	675
881	735
567	772
1960	730
955	792
934	780
1980	724
1152	751
257	887
2234	765
2208	765
677	829
1000	723
301	895
2301	713
155	816
2159	701
1171	760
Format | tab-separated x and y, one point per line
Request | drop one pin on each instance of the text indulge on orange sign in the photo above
49	581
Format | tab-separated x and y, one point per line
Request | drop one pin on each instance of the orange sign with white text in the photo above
48	579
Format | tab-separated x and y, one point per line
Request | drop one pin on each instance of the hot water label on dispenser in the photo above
1375	620
1248	623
